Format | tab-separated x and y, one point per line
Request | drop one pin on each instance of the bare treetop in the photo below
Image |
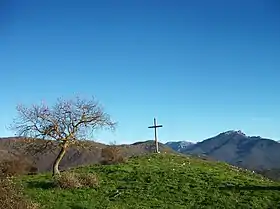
67	122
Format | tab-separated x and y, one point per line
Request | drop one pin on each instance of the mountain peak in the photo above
233	132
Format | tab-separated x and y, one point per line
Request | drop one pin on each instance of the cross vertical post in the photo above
155	126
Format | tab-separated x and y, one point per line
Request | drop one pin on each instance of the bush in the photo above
67	180
71	180
11	196
32	170
16	167
89	180
112	155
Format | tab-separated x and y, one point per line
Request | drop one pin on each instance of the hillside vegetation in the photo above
10	149
159	181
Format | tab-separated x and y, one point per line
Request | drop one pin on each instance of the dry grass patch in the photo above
11	196
88	179
72	180
67	180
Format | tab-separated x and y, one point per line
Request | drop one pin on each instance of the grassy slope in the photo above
161	181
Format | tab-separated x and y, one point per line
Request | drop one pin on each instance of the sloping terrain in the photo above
74	157
160	181
271	173
236	148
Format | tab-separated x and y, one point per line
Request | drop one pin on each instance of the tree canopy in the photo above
67	122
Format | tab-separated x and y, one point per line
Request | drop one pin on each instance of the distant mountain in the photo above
234	147
179	146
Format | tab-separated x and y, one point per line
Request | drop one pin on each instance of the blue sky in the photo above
200	67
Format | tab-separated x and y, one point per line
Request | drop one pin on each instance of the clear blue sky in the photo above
200	67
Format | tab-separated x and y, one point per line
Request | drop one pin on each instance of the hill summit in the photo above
160	181
233	132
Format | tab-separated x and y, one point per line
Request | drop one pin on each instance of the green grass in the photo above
160	181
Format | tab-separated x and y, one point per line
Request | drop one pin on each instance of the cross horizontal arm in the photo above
155	126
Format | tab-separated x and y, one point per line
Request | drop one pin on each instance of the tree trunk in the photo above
58	160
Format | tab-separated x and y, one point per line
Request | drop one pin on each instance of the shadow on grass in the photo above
41	184
79	207
251	187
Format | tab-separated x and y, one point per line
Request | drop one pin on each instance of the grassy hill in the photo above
160	181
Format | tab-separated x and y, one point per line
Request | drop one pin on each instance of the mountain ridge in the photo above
233	147
236	148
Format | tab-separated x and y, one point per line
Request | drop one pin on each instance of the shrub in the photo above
112	155
11	196
16	167
71	180
67	180
32	170
89	180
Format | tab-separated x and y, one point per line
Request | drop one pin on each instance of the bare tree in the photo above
66	123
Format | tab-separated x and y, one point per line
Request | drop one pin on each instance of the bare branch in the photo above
65	123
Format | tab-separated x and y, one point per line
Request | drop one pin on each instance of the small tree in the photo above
67	123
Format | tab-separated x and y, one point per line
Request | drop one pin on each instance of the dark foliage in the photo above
112	155
18	166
